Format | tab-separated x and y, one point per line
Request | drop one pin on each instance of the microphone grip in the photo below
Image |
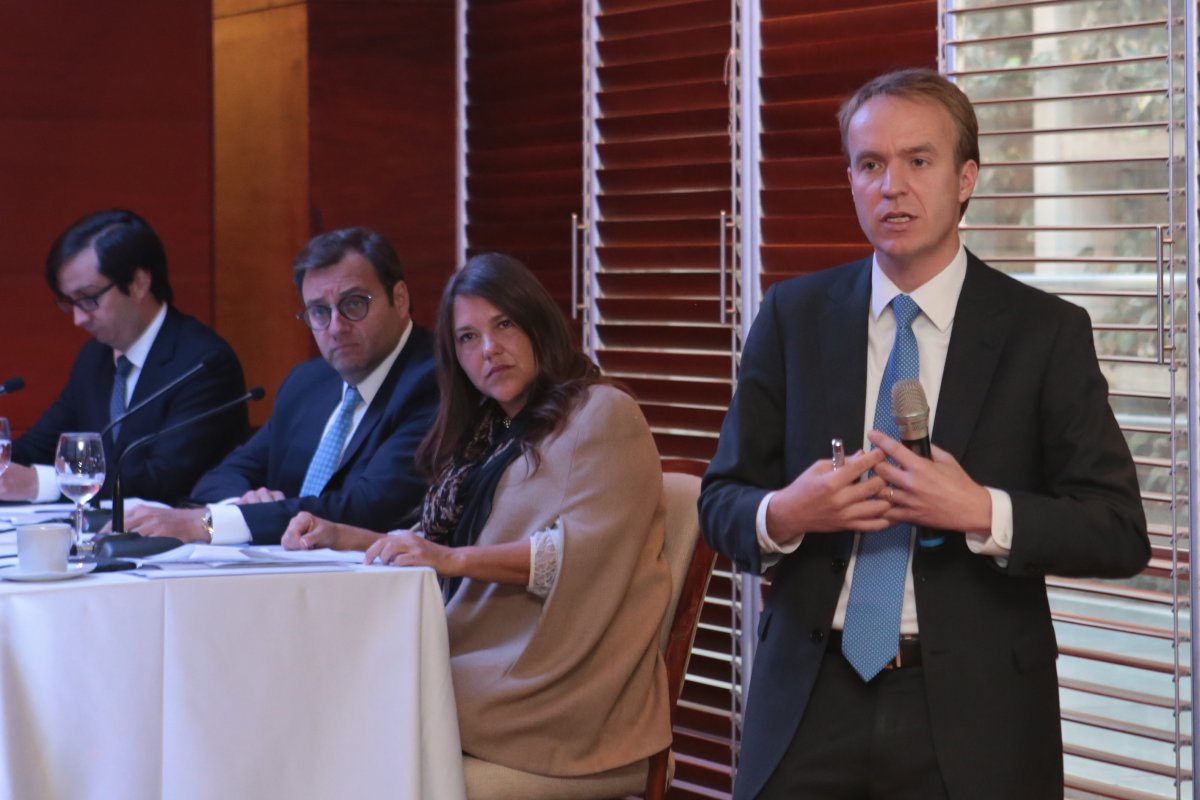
919	446
926	537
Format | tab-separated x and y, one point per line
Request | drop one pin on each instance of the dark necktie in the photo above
116	404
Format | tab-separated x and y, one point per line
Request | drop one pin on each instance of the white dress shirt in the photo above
229	526
937	299
47	479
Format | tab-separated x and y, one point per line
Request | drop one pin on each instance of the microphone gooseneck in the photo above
12	385
204	362
118	498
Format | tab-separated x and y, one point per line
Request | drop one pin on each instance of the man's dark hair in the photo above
124	243
327	249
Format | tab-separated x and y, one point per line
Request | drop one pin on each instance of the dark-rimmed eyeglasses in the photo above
353	307
84	302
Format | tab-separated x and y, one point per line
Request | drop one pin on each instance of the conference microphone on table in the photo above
911	411
12	385
105	545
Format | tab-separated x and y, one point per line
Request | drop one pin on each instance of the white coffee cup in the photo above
43	547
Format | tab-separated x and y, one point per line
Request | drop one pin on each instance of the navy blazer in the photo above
166	469
1024	408
375	486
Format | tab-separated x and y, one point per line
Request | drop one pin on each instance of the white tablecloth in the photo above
310	685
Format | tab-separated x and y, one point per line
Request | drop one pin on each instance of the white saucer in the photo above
72	571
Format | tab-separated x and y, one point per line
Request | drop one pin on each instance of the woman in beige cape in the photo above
544	520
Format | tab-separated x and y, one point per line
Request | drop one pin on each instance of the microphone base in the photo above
132	545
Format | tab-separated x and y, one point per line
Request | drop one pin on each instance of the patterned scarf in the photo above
459	502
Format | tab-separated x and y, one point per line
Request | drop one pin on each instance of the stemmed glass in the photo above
5	444
79	463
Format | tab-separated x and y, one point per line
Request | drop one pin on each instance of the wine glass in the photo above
79	463
5	444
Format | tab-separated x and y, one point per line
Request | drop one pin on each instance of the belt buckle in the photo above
895	663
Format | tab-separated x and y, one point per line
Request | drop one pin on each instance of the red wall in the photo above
105	104
382	131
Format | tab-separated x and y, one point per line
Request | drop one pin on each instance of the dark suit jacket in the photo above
376	485
165	469
1024	408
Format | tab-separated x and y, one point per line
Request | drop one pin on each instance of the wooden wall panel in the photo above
105	104
382	116
261	151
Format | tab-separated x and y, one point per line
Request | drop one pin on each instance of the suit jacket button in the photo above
817	635
839	565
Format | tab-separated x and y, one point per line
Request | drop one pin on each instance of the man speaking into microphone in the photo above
108	271
891	665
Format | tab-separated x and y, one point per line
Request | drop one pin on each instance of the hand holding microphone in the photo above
928	487
911	410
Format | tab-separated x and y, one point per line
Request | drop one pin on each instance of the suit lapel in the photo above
156	372
981	324
842	333
379	404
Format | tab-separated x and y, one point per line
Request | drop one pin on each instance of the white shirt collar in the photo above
140	349
368	387
937	297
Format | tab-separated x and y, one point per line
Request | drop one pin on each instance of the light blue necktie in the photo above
116	404
871	632
329	451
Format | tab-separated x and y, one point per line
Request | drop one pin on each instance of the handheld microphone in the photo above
118	499
136	407
911	410
12	385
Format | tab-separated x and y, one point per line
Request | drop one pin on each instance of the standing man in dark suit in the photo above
341	440
109	272
884	669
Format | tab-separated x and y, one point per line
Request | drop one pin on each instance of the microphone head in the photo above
911	410
12	384
257	393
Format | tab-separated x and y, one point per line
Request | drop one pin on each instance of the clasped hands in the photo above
936	493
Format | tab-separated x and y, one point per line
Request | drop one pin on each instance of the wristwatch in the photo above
206	521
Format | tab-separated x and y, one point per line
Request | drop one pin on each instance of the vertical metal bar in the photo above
574	265
460	155
1159	236
721	271
1193	374
590	113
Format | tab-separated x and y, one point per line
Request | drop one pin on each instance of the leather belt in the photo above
908	653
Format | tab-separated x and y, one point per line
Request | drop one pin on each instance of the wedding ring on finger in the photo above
891	494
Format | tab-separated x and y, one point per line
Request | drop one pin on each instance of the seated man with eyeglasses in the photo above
109	272
341	439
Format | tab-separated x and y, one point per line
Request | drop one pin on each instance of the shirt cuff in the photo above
771	550
47	484
229	526
999	543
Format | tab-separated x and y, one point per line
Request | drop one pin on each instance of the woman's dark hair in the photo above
124	243
563	372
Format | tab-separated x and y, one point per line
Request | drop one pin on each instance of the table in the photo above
298	685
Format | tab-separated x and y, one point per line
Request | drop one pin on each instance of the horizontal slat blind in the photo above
661	172
814	54
661	166
524	132
1080	120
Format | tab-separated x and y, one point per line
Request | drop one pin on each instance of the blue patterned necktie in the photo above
116	404
871	632
329	451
